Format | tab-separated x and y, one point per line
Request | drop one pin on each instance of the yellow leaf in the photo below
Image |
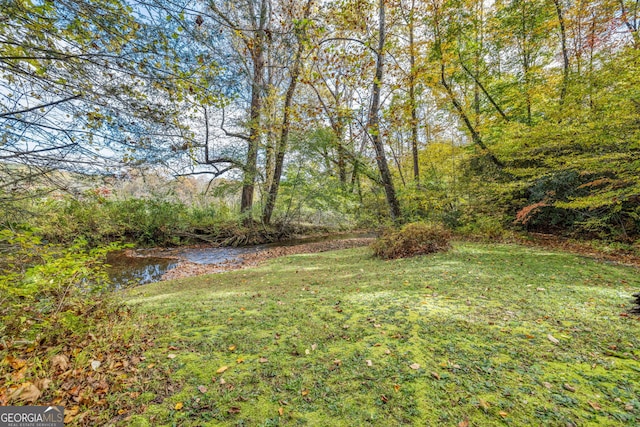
232	347
222	369
69	414
396	387
178	406
484	404
503	414
239	360
281	411
595	406
304	392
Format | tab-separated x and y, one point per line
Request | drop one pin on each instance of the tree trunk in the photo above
281	146
251	167
374	122
565	52
412	97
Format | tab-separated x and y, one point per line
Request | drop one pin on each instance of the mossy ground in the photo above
330	339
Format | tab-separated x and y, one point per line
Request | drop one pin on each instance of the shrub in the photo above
48	291
411	240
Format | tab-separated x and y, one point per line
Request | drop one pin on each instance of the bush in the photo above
48	291
411	240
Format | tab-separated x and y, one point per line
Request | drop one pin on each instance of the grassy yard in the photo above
483	335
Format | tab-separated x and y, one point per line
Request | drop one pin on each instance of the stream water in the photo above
148	265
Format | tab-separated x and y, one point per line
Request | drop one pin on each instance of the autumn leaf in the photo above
202	389
463	423
281	411
435	375
15	363
484	404
234	410
396	387
595	406
178	406
171	356
222	369
70	413
415	366
568	387
553	339
263	360
232	347
369	362
304	392
27	392
95	364
503	414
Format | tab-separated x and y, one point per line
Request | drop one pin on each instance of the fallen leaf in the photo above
414	366
60	362
307	351
337	362
369	362
628	407
314	346
540	289
171	356
27	392
95	364
553	339
178	406
173	347
69	414
435	375
484	404
304	392
503	414
396	387
463	423
15	363
202	389
384	398
568	387
595	406
234	410
239	360
232	347
547	385
222	369
281	411
387	351
263	360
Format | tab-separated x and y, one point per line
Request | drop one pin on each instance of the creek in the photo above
142	266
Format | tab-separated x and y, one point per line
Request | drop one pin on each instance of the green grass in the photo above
476	320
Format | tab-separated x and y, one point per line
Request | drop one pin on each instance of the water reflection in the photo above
126	271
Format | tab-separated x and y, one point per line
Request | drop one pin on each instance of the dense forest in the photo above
148	123
481	115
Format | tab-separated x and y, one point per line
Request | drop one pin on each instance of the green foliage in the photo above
48	291
411	240
145	221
